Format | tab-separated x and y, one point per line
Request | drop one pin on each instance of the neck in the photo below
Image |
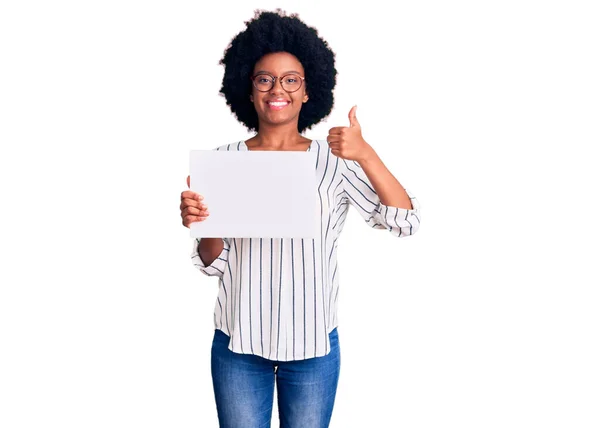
277	137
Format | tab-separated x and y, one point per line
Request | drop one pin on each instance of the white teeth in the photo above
278	104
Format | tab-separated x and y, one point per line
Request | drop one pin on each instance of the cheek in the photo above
299	98
257	100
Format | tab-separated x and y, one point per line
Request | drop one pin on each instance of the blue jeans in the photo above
244	387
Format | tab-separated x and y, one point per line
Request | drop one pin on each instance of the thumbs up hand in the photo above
346	142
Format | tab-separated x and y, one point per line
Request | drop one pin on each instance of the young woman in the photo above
276	310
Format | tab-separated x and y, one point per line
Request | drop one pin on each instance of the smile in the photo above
277	105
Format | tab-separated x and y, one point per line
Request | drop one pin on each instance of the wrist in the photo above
368	156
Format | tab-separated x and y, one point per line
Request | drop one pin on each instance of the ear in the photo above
305	99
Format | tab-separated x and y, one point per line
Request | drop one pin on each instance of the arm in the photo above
387	187
210	255
369	186
209	249
362	195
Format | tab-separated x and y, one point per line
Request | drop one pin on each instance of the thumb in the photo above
352	117
188	181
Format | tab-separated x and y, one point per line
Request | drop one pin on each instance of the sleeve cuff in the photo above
218	266
400	222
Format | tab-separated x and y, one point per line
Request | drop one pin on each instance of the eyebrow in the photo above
283	74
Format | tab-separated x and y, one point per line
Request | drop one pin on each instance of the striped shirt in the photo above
278	297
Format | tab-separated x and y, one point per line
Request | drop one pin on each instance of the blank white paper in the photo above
255	194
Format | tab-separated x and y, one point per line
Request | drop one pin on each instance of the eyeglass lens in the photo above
289	82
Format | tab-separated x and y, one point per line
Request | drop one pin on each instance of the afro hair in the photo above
270	32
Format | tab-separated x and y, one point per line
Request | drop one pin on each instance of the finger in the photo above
196	214
188	181
352	117
188	203
334	138
202	212
187	220
185	203
189	194
197	210
337	130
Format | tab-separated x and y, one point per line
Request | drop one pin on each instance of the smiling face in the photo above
277	106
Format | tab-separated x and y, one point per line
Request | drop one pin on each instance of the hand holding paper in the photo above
192	207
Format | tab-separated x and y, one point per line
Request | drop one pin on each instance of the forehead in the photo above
278	62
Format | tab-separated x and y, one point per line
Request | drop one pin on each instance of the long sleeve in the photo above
218	266
400	222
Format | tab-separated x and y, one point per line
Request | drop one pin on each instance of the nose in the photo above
277	87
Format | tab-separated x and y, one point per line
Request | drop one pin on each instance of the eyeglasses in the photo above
264	82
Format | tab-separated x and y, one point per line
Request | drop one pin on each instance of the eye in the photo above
291	80
263	79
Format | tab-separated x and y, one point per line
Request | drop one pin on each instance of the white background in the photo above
488	111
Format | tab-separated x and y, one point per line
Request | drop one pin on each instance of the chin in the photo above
279	120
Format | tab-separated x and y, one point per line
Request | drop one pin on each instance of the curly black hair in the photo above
271	32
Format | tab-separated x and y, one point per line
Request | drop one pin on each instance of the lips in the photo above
277	104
